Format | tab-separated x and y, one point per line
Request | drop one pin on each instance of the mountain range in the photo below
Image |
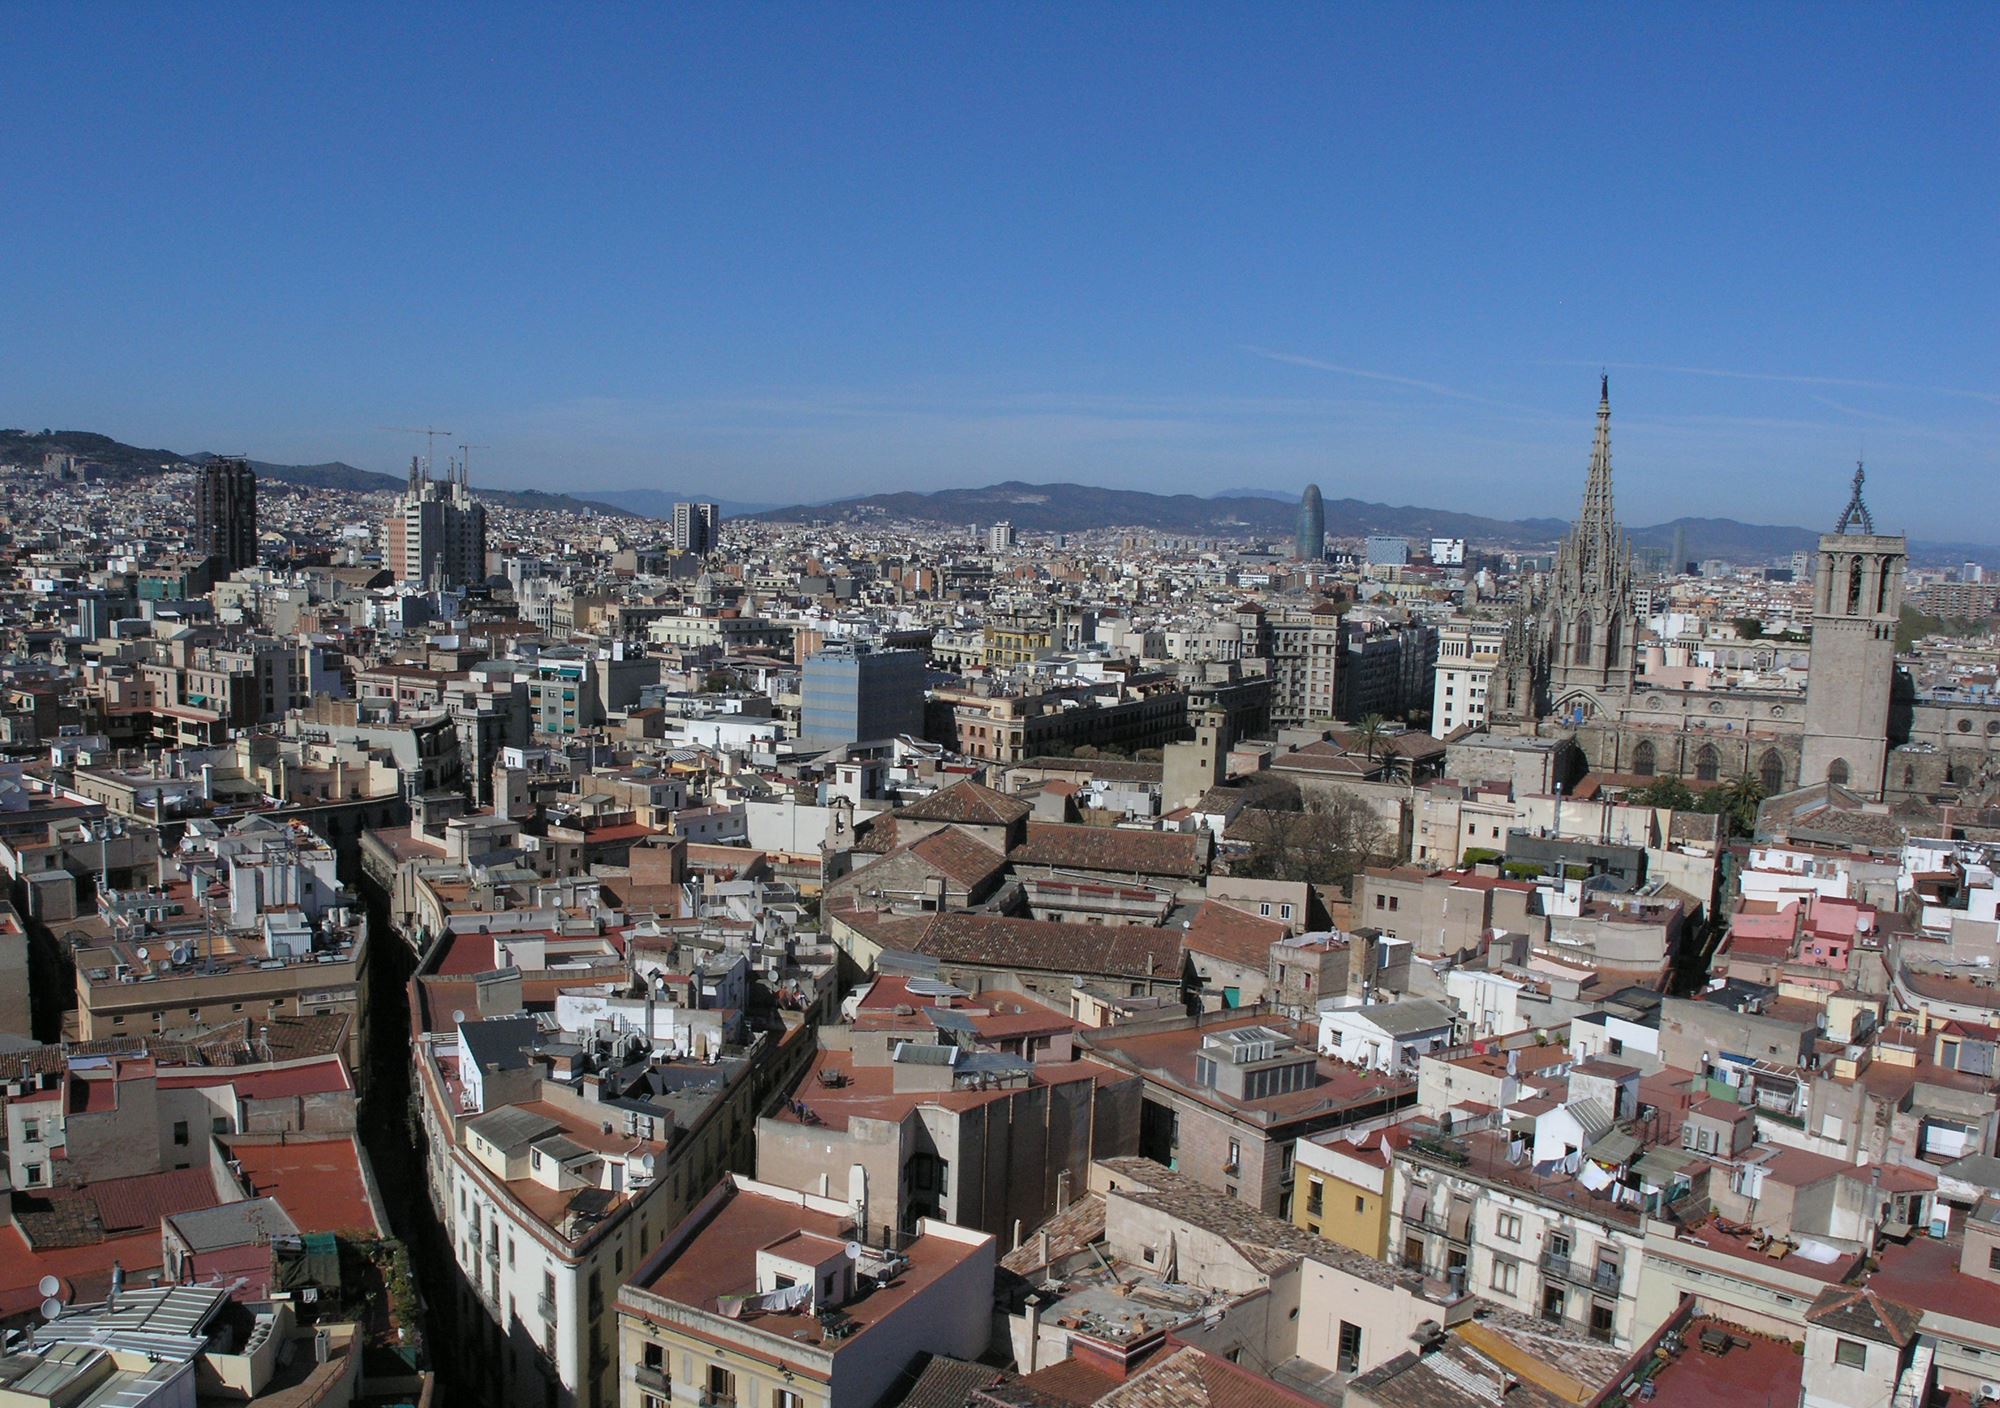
1034	507
659	503
1076	507
119	461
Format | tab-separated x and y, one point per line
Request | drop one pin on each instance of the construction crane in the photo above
430	434
465	462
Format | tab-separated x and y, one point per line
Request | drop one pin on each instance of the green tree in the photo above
1664	792
1369	733
1736	802
1749	627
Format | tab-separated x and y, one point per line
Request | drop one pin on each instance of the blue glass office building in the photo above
853	694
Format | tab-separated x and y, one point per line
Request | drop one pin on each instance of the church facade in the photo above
1574	665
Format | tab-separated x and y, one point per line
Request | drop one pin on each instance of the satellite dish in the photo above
143	952
458	1017
646	1165
853	1250
50	1286
51	1308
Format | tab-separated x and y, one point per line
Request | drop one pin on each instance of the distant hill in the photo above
1077	507
1035	507
116	460
1080	507
1279	494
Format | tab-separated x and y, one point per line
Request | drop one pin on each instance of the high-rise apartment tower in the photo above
225	512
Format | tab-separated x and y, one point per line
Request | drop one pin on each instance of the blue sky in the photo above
782	253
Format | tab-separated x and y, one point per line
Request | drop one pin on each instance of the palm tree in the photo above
1369	732
1739	802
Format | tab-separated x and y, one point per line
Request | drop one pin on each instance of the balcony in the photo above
711	1399
492	1255
1598	1278
653	1379
546	1308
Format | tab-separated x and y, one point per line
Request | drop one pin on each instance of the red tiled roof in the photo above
133	1204
961	858
1071	1381
1228	933
967	803
1065	847
1044	946
1190	1377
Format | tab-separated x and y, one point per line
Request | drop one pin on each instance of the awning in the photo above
1415	1204
1459	1223
1614	1148
1660	1166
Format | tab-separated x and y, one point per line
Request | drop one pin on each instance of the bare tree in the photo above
1332	836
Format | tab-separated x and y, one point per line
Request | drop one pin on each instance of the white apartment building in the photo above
1467	653
1485	1225
558	1161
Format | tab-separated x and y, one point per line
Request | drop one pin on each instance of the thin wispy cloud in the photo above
1434	388
1789	378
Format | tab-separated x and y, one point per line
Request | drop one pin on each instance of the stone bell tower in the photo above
1857	602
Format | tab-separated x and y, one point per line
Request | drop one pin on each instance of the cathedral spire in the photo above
1856	513
1592	619
1597	515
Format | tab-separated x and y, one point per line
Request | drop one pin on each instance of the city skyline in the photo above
1369	251
878	706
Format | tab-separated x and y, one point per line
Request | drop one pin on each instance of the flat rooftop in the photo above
868	1092
720	1259
1170	1055
1755	1371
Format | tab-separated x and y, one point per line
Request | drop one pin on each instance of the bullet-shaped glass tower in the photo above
1311	545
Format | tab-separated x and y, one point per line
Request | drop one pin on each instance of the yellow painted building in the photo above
1017	640
1343	1191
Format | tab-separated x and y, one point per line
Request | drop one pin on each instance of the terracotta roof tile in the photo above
1190	1377
1043	946
1225	932
968	803
962	858
1183	855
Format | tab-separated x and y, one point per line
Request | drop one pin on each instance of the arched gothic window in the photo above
1771	773
1707	763
1837	772
1645	762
